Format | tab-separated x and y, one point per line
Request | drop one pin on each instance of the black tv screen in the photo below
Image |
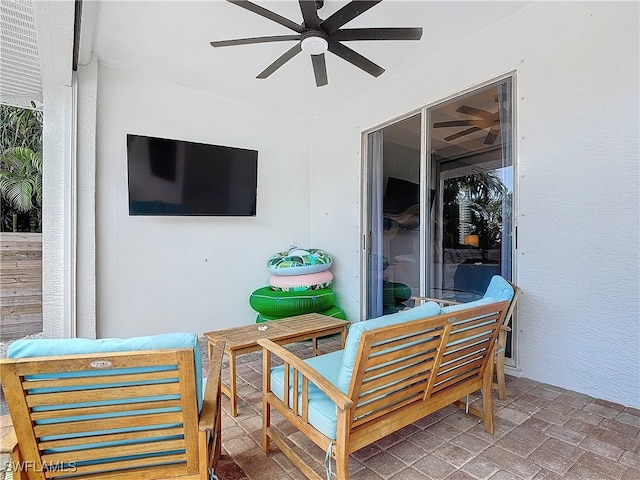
175	177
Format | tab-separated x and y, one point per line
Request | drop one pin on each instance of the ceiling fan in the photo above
483	120
316	36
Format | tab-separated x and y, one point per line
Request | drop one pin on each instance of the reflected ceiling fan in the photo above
482	120
316	36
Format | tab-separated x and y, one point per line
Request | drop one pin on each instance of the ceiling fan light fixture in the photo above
314	45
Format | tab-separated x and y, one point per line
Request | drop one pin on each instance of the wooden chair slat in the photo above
81	411
110	437
81	426
101	395
130	469
82	381
118	451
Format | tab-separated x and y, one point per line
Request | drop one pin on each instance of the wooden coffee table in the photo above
244	339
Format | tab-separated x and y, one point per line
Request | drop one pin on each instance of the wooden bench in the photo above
393	371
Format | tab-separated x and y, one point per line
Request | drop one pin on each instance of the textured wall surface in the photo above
577	193
577	187
159	274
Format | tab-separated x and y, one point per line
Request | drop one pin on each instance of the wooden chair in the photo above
113	415
499	384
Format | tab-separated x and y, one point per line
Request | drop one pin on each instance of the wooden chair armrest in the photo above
329	389
9	442
504	328
211	398
439	301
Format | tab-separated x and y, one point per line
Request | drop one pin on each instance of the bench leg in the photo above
487	398
502	390
342	465
266	422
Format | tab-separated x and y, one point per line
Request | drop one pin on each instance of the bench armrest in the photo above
439	301
209	413
9	442
329	389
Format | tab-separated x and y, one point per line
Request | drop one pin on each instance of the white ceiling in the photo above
169	40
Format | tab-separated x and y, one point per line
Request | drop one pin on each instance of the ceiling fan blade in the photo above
309	10
476	112
247	41
284	58
263	12
355	58
453	123
319	69
470	122
490	139
378	34
347	13
462	133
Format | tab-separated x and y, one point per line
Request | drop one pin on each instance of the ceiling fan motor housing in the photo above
314	42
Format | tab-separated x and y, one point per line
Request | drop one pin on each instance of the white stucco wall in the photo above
55	43
86	101
578	183
164	274
577	186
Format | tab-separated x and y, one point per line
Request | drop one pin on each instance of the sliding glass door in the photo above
439	201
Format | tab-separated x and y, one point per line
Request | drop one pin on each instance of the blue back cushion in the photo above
71	346
499	290
429	309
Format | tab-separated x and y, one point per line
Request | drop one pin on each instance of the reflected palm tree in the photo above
483	194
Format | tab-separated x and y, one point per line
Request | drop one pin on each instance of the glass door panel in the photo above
471	163
439	224
394	217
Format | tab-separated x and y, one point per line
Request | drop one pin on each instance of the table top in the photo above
277	330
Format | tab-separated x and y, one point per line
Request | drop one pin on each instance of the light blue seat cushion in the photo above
322	411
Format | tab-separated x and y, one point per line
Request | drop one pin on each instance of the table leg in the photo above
232	384
314	346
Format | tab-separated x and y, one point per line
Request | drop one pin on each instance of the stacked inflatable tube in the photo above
299	283
284	304
334	311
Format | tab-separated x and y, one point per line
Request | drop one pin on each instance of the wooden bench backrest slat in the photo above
393	376
402	364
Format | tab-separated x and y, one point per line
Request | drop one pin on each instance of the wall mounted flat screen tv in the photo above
174	177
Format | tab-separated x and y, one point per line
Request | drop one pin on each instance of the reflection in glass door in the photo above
394	217
440	225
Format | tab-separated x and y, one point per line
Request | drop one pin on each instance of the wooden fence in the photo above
20	285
